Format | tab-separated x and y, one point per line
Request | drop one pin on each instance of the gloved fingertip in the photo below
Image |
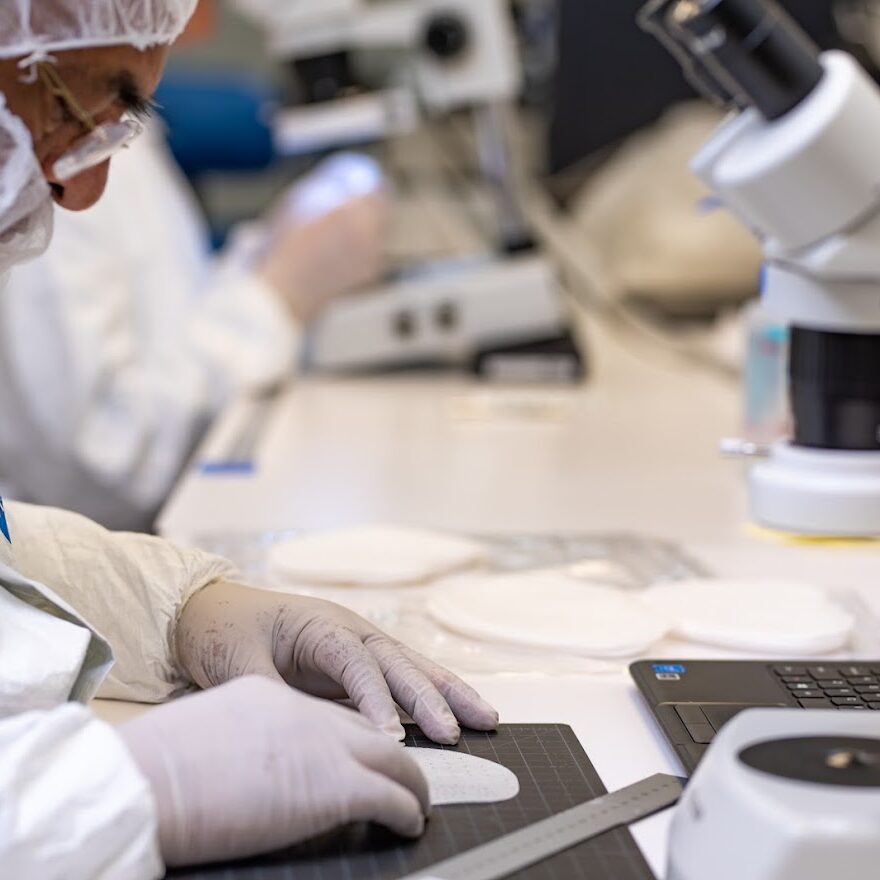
489	718
447	735
418	828
395	730
479	715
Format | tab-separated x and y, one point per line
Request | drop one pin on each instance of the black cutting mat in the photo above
554	774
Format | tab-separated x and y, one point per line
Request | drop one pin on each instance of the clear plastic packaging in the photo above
628	562
624	561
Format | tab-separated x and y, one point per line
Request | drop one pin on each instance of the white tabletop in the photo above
634	450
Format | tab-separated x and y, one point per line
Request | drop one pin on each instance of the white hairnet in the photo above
39	27
33	30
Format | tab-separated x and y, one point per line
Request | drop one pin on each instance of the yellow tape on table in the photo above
794	540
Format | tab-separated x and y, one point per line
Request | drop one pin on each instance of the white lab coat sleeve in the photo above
48	653
121	344
73	804
243	334
130	588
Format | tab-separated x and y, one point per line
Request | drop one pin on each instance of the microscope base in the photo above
503	319
817	492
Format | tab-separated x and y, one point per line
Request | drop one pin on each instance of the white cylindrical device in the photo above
783	795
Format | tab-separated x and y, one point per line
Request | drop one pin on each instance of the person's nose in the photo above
82	191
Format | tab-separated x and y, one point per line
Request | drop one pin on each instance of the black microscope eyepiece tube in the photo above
654	19
754	48
835	390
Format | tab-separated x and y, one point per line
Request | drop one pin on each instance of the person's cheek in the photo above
82	191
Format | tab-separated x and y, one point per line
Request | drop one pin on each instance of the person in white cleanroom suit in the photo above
119	346
263	759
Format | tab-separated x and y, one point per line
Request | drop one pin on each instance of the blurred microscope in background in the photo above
670	257
498	311
624	127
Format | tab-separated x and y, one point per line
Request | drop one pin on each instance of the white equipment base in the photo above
817	492
447	315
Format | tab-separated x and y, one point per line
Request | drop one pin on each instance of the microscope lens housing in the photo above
835	390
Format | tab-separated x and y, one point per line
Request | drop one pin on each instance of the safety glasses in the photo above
102	141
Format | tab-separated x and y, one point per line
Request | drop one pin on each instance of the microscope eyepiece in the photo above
751	48
654	19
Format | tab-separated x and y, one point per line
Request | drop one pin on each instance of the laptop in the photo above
693	699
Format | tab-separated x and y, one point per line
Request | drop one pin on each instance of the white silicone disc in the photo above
378	556
550	610
779	617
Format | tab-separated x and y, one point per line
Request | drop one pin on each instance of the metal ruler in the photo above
528	846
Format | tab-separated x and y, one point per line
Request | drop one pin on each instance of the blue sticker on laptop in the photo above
668	671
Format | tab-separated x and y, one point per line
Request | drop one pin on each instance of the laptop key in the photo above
816	704
690	714
790	670
850	671
852	708
846	701
840	692
831	683
702	734
867	688
797	679
862	679
718	716
802	686
822	671
871	698
815	694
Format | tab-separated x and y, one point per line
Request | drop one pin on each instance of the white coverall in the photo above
120	345
73	804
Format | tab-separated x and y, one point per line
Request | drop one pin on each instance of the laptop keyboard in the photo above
847	688
832	686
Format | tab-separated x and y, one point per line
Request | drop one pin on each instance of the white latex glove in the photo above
254	766
227	631
328	235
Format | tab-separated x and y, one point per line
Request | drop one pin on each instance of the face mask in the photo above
26	208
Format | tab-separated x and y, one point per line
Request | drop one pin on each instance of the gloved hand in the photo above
327	235
226	631
254	766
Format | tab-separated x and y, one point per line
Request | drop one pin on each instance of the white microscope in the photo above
799	164
795	794
501	314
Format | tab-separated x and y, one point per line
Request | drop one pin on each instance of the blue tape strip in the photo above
227	468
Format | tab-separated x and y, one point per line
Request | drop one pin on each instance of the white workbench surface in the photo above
633	451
